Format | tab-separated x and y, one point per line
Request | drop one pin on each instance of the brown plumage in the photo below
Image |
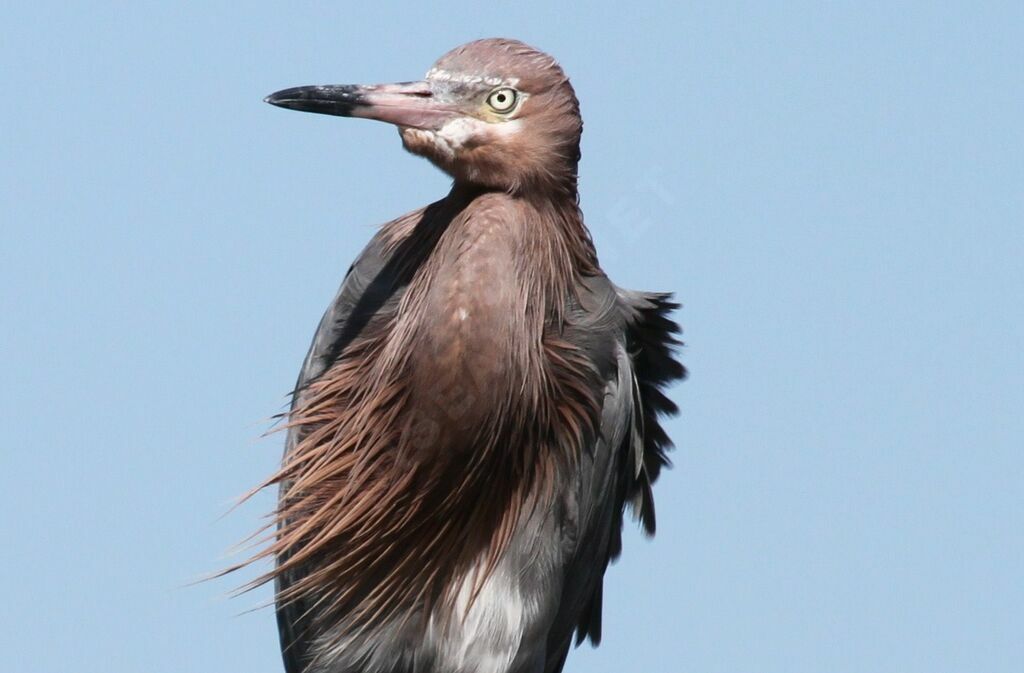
479	402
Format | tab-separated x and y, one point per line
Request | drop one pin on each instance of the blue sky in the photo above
832	189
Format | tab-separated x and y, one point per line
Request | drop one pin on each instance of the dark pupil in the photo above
501	98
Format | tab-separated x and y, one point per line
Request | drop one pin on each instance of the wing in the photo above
626	459
360	288
374	281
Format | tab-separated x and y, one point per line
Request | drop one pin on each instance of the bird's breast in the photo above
473	333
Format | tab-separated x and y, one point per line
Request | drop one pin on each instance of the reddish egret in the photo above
479	404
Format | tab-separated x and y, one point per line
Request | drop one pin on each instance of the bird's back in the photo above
476	410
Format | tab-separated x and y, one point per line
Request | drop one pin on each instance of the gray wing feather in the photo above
627	458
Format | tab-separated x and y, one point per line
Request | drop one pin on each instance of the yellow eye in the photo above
503	99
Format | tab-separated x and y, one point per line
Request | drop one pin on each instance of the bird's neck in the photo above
547	218
485	306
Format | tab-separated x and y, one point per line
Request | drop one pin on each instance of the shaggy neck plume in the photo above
436	430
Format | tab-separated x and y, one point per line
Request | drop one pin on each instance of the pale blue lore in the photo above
834	190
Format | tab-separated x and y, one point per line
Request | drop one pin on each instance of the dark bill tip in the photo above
337	100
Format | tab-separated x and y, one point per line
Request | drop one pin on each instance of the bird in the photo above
480	405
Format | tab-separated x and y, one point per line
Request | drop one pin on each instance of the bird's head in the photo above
494	112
